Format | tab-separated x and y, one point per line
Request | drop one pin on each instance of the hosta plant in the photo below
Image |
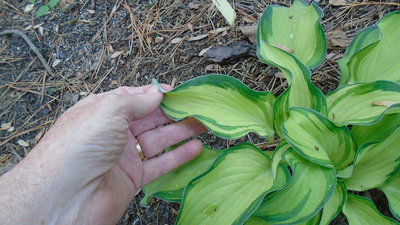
331	147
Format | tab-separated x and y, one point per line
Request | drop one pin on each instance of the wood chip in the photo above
202	52
5	126
384	103
158	40
116	54
250	32
176	40
190	26
22	143
56	62
337	2
193	5
28	8
219	30
280	75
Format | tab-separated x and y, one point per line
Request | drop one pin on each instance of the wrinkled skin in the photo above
86	169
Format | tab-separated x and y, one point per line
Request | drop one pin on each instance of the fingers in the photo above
155	141
160	165
151	121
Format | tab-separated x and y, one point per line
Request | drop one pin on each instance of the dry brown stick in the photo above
31	46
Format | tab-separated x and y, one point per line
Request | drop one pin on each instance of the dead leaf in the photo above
250	32
116	54
5	126
338	2
219	30
197	38
226	54
193	5
283	47
202	52
90	11
11	129
337	38
23	143
384	103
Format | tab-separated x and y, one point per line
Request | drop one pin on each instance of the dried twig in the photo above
31	46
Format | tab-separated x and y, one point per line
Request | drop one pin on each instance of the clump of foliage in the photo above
45	8
331	147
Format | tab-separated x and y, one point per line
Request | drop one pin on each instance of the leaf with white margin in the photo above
301	91
296	29
170	186
364	38
377	132
308	191
361	211
319	140
359	104
392	192
334	205
223	104
230	190
375	163
379	61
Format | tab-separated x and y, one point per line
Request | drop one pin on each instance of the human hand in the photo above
86	169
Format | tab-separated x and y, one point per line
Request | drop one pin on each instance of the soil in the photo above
95	46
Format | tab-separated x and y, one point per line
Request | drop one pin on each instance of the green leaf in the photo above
378	61
364	38
301	92
361	211
171	185
254	220
223	104
392	192
308	191
334	148
363	103
277	157
375	163
43	10
296	29
334	205
53	3
230	190
377	132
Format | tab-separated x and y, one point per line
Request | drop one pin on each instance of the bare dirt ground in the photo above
95	46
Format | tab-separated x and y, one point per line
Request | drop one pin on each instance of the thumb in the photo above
137	106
